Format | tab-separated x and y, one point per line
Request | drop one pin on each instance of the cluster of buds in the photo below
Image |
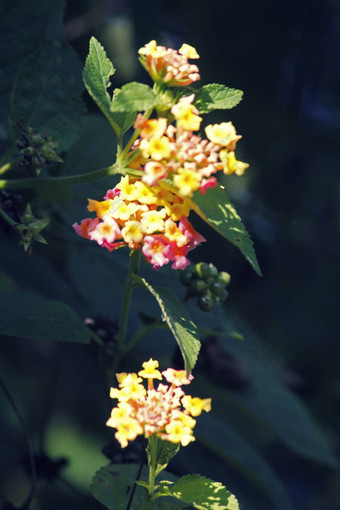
175	152
36	150
30	229
205	282
169	66
137	215
164	411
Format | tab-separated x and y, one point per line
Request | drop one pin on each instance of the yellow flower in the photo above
119	415
100	208
179	433
153	221
188	51
185	114
156	148
145	194
230	164
196	405
223	134
173	233
187	181
127	189
122	210
133	233
127	431
150	371
150	128
178	209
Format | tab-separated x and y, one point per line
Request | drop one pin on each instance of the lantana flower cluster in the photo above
173	161
137	215
177	153
169	66
165	411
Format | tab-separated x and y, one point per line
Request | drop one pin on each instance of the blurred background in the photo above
285	57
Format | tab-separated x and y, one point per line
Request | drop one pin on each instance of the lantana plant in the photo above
169	167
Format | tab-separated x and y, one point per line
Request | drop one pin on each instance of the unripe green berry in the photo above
187	275
217	288
197	286
213	271
206	302
202	270
224	277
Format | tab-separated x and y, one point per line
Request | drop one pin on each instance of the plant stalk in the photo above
124	315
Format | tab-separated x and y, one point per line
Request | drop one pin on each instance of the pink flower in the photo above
86	226
188	230
156	250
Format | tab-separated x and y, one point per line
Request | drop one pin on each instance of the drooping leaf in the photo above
216	96
133	97
27	315
112	486
179	322
200	492
235	450
165	452
216	209
268	401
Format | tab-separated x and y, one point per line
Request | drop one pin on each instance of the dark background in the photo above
285	57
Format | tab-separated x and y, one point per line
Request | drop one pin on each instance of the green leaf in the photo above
232	448
267	401
216	96
179	322
112	487
216	209
133	97
26	315
97	72
47	94
40	74
164	453
200	492
23	27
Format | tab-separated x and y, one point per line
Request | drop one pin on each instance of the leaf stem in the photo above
62	181
124	314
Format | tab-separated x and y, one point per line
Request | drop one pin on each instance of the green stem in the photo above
152	463
7	166
7	218
124	314
159	324
135	135
61	181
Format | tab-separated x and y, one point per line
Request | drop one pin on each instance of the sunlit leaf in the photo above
179	322
216	209
216	96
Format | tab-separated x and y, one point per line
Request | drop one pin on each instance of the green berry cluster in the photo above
205	282
36	150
